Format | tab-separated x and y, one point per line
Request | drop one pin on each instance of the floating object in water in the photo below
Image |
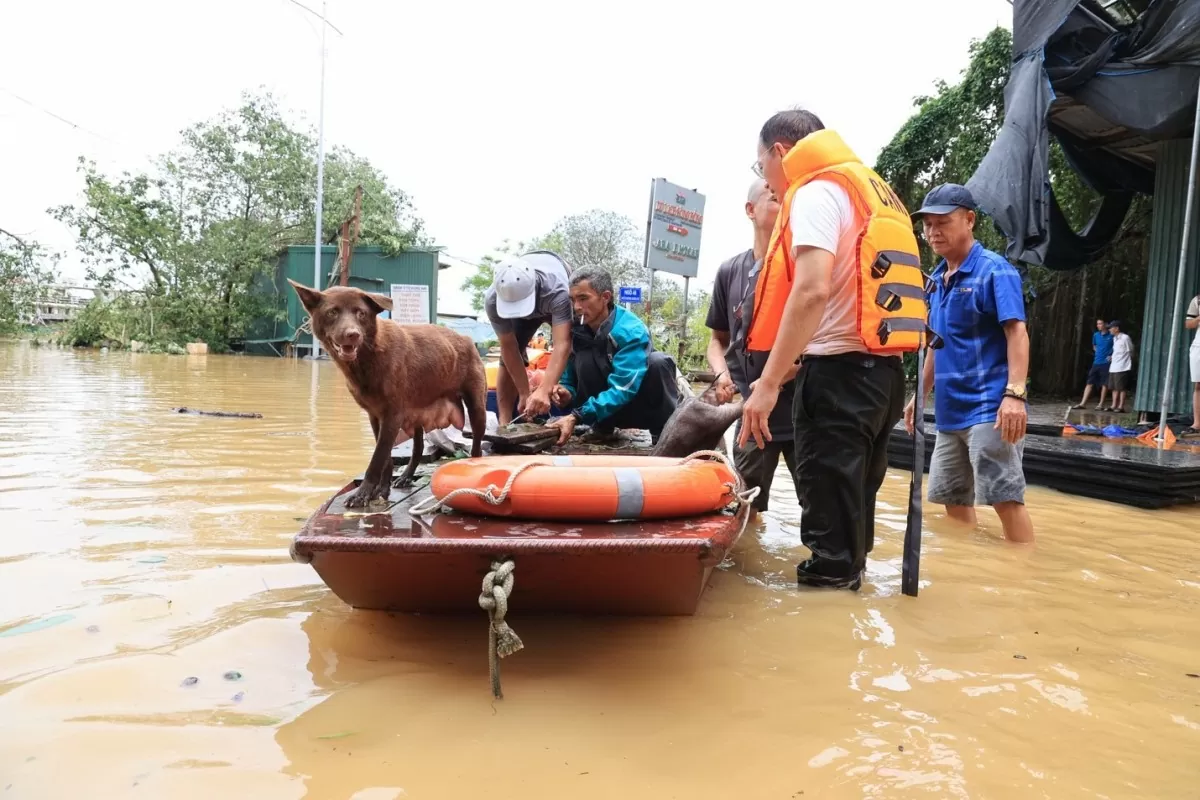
583	488
235	414
37	625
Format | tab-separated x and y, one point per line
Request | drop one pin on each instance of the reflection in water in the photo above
140	550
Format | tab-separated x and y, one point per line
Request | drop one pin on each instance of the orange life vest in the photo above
890	303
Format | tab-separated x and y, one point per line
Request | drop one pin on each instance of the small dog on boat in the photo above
409	378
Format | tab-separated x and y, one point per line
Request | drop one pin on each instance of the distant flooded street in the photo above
157	642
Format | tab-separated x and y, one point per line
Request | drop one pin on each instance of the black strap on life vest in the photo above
889	326
885	258
889	295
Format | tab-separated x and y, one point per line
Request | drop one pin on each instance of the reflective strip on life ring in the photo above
589	488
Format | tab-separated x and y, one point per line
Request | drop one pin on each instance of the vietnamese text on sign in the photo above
676	221
410	303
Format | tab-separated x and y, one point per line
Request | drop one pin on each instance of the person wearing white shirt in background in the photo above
1122	365
1192	323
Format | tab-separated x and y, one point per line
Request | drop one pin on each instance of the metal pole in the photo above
910	563
1177	315
650	305
683	322
646	262
316	346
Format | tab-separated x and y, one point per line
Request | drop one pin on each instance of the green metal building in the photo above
370	270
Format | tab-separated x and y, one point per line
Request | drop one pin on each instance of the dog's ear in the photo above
379	302
310	298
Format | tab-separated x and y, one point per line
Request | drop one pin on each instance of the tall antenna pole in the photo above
316	348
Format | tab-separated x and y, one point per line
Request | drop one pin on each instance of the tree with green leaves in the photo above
597	238
198	236
945	140
26	272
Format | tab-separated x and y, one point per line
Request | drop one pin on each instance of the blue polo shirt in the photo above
1103	342
971	370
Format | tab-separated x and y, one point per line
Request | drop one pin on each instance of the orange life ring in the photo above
587	487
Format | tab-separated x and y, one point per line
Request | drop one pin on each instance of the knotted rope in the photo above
743	494
498	583
491	495
502	640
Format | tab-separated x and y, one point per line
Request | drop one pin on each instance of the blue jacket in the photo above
615	356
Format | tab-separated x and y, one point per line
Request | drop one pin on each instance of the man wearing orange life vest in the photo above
841	287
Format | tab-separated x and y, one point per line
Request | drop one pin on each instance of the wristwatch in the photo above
1015	390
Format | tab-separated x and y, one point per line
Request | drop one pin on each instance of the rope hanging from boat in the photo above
502	640
740	491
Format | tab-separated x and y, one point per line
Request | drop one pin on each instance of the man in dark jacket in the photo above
726	320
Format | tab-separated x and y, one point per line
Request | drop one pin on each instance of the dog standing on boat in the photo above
409	378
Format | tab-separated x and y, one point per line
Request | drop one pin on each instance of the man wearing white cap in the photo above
527	292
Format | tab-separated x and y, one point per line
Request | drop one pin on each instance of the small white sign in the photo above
410	303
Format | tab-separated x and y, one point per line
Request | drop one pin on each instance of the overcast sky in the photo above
497	118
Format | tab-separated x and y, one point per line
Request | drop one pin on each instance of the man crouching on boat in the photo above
614	377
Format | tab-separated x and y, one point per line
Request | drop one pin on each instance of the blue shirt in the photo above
971	370
629	343
1103	342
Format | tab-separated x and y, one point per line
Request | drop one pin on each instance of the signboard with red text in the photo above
673	232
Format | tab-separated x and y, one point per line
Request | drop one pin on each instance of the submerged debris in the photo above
236	414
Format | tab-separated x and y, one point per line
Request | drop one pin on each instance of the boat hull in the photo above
391	561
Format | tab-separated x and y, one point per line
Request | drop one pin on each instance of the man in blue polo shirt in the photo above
1102	347
978	377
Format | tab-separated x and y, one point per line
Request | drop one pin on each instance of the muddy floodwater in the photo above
157	642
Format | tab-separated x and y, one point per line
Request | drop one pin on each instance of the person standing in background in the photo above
1102	346
1192	323
1121	368
726	320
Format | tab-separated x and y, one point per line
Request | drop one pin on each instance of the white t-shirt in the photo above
1122	357
822	216
1193	312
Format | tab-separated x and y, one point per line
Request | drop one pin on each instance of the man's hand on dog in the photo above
565	425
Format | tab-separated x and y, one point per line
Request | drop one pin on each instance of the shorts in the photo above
1098	376
976	467
757	467
524	330
1194	362
1119	381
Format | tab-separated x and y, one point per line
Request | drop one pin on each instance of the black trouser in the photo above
655	402
844	410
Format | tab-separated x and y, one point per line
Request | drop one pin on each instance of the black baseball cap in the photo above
946	198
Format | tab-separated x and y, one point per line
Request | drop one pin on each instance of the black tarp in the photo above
1108	93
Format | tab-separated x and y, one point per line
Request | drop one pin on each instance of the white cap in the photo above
516	288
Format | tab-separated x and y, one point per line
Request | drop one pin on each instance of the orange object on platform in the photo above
587	487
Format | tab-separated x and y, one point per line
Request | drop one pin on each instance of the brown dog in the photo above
409	378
